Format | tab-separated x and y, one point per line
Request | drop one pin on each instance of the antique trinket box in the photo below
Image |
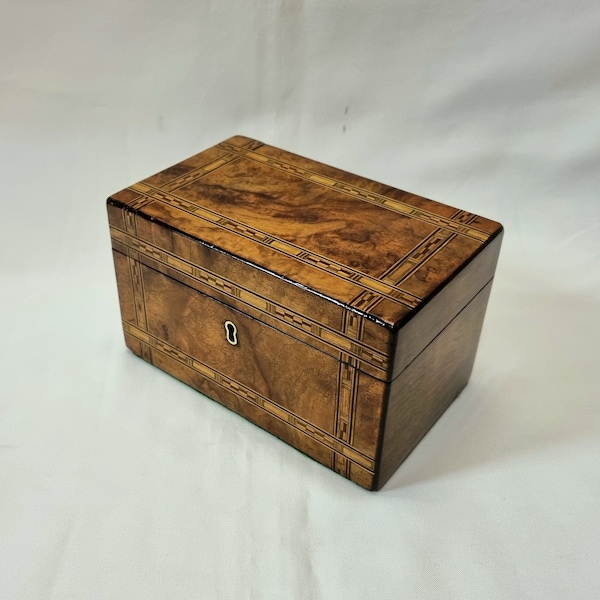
339	314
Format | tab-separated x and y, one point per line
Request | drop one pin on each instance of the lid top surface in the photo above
373	248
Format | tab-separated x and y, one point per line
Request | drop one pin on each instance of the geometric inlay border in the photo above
312	259
251	396
347	343
358	192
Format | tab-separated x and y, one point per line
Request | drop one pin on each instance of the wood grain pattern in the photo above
279	377
293	377
424	325
326	333
423	391
327	231
340	292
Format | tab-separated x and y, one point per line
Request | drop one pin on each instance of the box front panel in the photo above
254	356
301	395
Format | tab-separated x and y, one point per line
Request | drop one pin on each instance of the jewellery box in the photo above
339	314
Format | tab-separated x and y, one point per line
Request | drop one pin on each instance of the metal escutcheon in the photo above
231	333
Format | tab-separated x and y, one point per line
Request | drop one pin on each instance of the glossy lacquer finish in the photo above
309	300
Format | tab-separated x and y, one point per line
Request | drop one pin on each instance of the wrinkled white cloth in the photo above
117	481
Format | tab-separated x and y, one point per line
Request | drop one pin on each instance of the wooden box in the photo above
339	314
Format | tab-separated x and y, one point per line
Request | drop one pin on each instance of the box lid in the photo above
363	258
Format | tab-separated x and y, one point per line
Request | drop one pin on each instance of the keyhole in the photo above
231	333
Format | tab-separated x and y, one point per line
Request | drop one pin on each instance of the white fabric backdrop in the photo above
116	481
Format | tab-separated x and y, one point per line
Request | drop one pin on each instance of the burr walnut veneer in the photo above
339	314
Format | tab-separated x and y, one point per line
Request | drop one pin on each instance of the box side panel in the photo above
433	317
425	389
